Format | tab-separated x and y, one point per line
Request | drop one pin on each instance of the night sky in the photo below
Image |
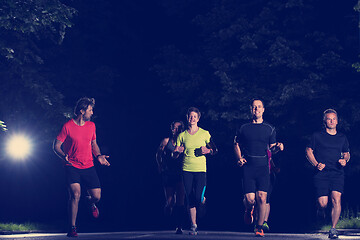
109	54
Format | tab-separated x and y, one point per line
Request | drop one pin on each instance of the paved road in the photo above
169	235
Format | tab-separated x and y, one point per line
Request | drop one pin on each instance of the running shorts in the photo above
255	179
87	176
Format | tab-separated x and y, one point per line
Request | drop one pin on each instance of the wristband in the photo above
98	156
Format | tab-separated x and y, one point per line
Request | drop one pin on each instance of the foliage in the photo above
279	50
23	227
29	31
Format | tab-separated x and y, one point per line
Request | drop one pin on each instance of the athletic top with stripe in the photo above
254	140
191	142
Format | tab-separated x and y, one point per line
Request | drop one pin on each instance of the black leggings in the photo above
194	184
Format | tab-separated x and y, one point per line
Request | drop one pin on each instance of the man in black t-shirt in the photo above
328	151
250	145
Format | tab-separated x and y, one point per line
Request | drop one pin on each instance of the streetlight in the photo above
18	147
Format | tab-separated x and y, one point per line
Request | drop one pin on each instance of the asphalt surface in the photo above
169	235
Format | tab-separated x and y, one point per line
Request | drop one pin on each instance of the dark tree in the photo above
29	30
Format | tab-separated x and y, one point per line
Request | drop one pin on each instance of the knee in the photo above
75	196
250	200
323	204
261	198
96	198
336	201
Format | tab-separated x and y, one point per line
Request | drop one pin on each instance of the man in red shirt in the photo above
76	145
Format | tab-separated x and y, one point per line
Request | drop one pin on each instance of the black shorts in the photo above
326	183
171	180
87	176
256	179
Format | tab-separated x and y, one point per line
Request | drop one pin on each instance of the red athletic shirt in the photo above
77	143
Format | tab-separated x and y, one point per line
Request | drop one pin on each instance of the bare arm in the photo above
100	157
59	152
311	158
240	160
159	153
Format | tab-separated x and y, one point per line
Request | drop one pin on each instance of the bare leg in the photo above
193	216
170	200
336	207
249	200
267	212
74	198
261	203
95	195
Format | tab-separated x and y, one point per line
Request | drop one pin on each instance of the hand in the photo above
320	166
241	162
280	146
181	149
277	147
103	160
66	160
205	150
342	162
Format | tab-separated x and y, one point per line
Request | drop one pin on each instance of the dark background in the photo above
112	53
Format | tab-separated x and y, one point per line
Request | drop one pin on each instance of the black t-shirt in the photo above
328	148
254	139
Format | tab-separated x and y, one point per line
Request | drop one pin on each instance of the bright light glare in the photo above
18	146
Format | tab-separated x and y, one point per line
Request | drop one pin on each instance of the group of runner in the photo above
254	145
181	160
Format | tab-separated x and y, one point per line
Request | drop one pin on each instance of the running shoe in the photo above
72	232
193	230
259	232
265	227
94	210
333	233
249	216
179	230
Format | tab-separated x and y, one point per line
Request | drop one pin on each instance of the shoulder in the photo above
340	134
69	122
203	131
244	126
165	141
268	125
181	135
90	123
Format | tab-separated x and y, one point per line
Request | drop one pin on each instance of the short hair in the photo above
193	109
256	99
182	126
329	110
83	104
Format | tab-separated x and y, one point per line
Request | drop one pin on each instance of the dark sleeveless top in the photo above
171	165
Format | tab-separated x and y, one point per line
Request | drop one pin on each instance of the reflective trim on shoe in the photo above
193	230
94	211
179	230
259	232
72	232
333	233
265	227
249	216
